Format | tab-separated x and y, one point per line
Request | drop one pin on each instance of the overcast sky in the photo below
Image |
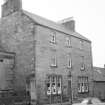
89	16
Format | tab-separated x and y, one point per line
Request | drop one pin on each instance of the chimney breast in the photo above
11	6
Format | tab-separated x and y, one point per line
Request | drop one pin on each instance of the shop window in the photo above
53	85
49	85
83	86
59	85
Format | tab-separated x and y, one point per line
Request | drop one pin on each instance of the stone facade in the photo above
17	36
7	72
37	43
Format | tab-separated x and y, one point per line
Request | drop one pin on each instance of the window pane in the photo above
59	85
53	61
69	63
48	85
54	85
68	41
79	87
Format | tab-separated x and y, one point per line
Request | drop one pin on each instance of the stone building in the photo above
99	82
53	62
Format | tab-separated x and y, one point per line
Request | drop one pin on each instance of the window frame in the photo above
53	61
56	85
81	44
68	41
83	84
69	63
53	37
82	63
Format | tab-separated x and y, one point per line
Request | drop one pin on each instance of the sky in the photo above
88	14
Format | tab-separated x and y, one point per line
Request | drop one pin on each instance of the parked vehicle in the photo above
90	101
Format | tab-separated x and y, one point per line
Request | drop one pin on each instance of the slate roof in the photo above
53	25
99	74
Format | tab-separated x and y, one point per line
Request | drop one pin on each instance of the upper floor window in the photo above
83	84
82	66
53	61
69	62
54	84
82	63
81	44
68	41
53	37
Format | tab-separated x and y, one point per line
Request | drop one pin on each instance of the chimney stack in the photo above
68	23
104	66
11	6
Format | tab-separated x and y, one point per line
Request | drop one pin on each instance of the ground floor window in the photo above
83	84
54	84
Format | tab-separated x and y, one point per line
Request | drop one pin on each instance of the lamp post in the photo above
70	86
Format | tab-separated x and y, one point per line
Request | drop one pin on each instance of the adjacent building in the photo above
53	62
99	82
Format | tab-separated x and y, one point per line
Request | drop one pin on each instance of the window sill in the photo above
83	92
68	46
82	69
53	66
53	42
69	67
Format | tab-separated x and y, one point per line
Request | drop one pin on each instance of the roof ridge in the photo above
54	25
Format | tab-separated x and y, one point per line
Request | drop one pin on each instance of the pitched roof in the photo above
48	23
99	74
